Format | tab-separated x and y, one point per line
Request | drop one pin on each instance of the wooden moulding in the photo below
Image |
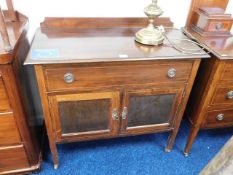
69	23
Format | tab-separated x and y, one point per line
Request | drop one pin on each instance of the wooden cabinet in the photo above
210	105
211	100
19	146
19	142
93	92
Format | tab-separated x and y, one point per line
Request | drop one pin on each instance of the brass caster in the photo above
186	154
167	150
55	167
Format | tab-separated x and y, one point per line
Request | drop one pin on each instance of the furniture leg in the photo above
171	140
48	121
53	148
191	137
173	134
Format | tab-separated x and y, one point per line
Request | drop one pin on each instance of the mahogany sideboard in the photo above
211	101
96	82
19	144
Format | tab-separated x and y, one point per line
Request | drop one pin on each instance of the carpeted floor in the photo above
140	155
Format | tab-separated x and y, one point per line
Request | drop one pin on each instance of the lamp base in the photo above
149	36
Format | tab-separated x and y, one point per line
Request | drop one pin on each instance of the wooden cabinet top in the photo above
75	45
220	46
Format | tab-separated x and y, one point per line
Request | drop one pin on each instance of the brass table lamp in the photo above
150	35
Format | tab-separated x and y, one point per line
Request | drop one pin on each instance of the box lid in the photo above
214	12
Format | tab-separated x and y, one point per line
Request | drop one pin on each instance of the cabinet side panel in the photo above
197	96
29	97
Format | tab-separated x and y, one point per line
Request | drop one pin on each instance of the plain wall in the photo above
36	10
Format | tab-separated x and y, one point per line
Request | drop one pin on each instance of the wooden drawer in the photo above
4	101
223	95
227	74
13	158
8	130
116	75
219	118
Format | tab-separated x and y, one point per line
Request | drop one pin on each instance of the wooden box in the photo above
209	21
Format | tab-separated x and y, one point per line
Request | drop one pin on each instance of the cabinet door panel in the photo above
85	115
149	109
142	109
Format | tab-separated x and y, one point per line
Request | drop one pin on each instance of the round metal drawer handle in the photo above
171	73
230	95
69	78
219	26
220	117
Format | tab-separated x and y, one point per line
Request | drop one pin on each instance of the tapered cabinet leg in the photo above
55	157
53	149
46	106
191	138
171	141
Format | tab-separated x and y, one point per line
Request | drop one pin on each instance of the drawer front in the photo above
8	130
84	77
227	74
223	95
219	118
220	26
13	158
207	24
4	101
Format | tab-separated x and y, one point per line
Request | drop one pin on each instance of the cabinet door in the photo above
149	110
85	115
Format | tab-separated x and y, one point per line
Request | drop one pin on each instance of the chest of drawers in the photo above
102	84
211	102
19	142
